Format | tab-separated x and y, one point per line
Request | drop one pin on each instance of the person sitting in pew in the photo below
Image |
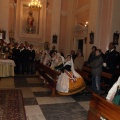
59	62
53	59
46	58
79	61
69	80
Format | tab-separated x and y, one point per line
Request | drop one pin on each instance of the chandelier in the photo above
35	4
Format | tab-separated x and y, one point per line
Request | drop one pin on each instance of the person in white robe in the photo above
113	90
68	74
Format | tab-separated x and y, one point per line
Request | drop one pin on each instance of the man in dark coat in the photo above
21	59
31	59
92	55
96	65
110	59
15	57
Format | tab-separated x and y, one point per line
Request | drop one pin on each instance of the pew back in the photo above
49	75
101	109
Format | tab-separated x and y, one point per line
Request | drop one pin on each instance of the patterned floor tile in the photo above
66	111
42	94
34	112
46	100
36	117
54	100
30	101
85	104
40	89
20	81
33	80
38	103
7	82
27	93
81	97
66	99
35	85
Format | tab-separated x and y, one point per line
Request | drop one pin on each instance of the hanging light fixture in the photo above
35	4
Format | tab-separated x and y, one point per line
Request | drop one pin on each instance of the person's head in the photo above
68	58
53	54
53	47
111	46
97	52
31	46
26	44
16	45
72	52
94	48
79	50
80	54
21	45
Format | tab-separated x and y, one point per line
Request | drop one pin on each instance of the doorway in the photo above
80	44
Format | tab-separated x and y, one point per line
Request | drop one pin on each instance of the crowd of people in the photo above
24	57
22	54
108	62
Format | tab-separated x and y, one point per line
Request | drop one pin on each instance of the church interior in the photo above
59	59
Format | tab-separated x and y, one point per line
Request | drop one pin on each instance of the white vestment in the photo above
113	90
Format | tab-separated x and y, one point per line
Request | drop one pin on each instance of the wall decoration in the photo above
54	39
30	21
116	38
0	36
91	38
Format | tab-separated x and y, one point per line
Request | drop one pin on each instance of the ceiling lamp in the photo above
86	24
35	4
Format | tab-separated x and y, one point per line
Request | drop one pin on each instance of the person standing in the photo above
21	59
15	57
96	65
31	59
110	59
92	55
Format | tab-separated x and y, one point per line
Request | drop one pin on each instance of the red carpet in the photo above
11	105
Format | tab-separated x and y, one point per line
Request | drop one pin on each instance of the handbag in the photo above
116	99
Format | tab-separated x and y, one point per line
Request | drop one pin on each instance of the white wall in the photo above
4	17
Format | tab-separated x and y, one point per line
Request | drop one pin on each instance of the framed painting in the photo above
116	38
30	21
0	36
91	38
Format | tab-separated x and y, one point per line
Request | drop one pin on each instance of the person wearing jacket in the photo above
96	66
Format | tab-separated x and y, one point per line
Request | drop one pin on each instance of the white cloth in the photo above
63	83
113	90
104	64
6	68
63	80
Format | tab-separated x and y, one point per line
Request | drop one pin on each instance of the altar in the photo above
6	67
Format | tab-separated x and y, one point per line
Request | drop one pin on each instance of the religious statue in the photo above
30	23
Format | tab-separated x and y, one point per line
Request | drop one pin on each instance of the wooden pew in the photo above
49	75
103	74
86	74
101	109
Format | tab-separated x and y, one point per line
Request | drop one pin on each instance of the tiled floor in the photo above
40	106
